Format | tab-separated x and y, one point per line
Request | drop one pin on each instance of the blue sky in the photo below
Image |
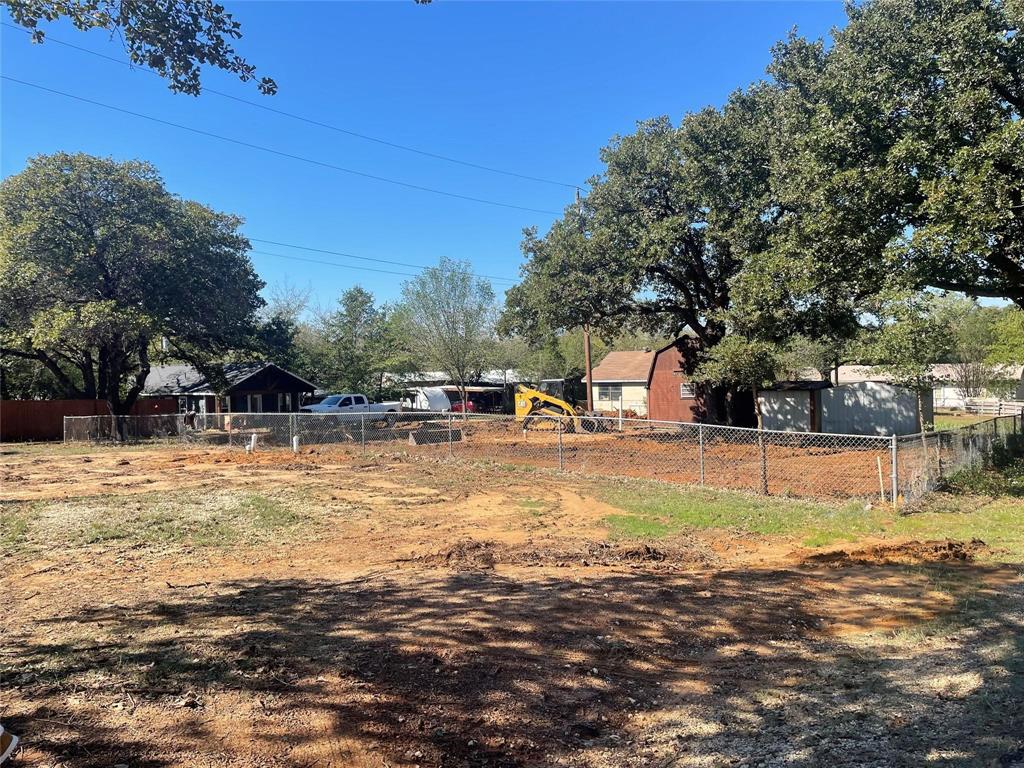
534	87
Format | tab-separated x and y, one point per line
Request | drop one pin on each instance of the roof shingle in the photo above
631	365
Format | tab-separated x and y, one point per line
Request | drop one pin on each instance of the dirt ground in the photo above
842	470
421	613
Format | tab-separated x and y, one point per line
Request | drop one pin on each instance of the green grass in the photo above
998	522
534	507
654	511
532	503
15	520
219	518
57	448
954	420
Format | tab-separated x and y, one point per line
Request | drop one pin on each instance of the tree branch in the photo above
72	391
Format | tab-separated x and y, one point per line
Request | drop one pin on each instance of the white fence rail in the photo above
816	465
994	407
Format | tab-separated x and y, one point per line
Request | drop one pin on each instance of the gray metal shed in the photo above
859	408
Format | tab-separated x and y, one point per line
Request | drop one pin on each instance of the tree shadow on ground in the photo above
441	668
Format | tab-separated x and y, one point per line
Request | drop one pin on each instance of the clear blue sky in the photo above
533	87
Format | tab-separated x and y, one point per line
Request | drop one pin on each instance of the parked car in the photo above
468	406
351	403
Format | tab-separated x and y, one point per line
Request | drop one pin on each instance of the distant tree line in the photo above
104	273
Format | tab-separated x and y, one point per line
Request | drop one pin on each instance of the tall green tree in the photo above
902	155
98	262
657	243
280	325
970	329
356	344
750	364
451	317
172	37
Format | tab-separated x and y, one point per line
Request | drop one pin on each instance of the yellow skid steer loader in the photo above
538	409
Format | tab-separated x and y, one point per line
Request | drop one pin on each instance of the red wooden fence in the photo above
44	419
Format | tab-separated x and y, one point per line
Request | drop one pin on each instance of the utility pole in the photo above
586	363
586	335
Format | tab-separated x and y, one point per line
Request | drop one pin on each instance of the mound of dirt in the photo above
906	553
470	554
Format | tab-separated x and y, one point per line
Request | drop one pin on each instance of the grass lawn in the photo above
957	419
654	510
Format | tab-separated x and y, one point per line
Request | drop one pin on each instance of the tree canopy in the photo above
663	231
354	345
99	262
1008	345
449	315
173	38
889	160
901	156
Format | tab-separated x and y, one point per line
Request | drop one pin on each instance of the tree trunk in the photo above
120	407
924	439
88	377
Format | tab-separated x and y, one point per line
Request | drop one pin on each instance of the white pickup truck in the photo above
351	403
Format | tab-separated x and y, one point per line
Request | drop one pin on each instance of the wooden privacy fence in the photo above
22	420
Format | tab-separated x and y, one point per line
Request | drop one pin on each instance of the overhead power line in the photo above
333	264
357	268
368	258
312	121
279	153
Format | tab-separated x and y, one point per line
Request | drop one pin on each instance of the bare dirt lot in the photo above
210	608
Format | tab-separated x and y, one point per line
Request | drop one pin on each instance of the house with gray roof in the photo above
248	387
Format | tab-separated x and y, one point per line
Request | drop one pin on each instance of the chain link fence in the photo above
814	465
923	461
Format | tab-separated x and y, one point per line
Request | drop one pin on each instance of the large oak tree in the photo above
665	229
892	159
99	262
902	156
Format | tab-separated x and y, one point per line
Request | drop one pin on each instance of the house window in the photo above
612	392
686	391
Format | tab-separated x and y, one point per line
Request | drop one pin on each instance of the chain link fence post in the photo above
763	456
561	464
700	450
362	433
895	478
450	451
